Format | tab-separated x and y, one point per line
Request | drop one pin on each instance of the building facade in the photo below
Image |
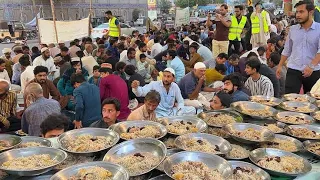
22	10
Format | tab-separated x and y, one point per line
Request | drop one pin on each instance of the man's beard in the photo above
229	92
304	21
166	83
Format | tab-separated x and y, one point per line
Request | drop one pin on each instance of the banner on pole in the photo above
66	30
182	16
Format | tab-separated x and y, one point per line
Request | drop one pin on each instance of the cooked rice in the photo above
202	145
317	116
286	164
249	133
304	133
169	142
4	144
138	162
87	143
238	152
294	120
274	128
315	148
92	173
217	132
194	171
298	99
31	144
282	144
141	132
266	102
303	109
74	159
181	127
245	173
30	162
258	112
220	119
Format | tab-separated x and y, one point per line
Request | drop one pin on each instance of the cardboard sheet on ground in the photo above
66	30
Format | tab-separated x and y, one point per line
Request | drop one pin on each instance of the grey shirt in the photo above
36	113
282	79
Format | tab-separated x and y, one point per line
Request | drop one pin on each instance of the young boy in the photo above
144	68
95	79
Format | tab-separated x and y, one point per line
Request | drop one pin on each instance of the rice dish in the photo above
92	173
274	128
4	144
194	171
218	132
220	119
285	164
31	144
29	162
294	120
304	133
266	102
181	127
281	144
169	142
258	112
238	152
315	148
245	173
249	133
141	132
202	145
303	109
87	143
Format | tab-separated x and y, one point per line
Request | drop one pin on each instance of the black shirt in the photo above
101	124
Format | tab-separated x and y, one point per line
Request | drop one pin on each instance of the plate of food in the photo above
305	132
31	161
139	129
276	127
169	141
197	165
8	141
244	170
201	142
217	132
315	95
316	115
298	98
221	118
20	133
238	152
169	153
312	146
93	170
289	117
280	163
249	133
302	107
179	125
266	100
33	141
253	109
138	156
284	143
87	141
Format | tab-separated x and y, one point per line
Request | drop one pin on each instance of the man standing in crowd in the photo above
170	95
114	26
257	84
302	51
38	108
147	111
260	22
110	113
46	60
87	102
233	86
238	23
220	42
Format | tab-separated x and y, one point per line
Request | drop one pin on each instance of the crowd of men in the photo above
180	71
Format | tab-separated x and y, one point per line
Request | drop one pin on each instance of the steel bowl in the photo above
279	124
258	171
161	177
245	146
13	140
280	115
266	100
88	131
288	105
118	172
122	127
242	106
56	154
236	117
294	96
212	161
43	141
307	145
200	124
316	129
267	135
141	145
297	143
316	115
224	145
169	153
259	153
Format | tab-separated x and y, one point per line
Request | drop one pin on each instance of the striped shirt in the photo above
263	86
8	106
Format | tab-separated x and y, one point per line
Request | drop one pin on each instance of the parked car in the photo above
102	29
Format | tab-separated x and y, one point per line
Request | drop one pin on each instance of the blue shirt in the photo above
230	68
178	67
239	96
188	84
87	106
16	70
114	51
168	99
302	46
91	81
205	53
36	113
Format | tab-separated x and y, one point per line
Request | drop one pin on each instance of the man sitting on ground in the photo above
54	125
233	86
110	112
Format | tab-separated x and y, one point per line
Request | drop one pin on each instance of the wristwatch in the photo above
311	66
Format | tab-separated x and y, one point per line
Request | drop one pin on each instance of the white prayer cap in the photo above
199	65
75	59
44	49
170	70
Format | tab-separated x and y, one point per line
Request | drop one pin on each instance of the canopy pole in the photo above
54	20
37	25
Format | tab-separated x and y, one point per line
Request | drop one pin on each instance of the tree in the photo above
164	6
191	3
135	14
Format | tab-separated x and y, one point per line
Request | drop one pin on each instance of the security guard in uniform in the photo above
114	26
255	26
238	23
